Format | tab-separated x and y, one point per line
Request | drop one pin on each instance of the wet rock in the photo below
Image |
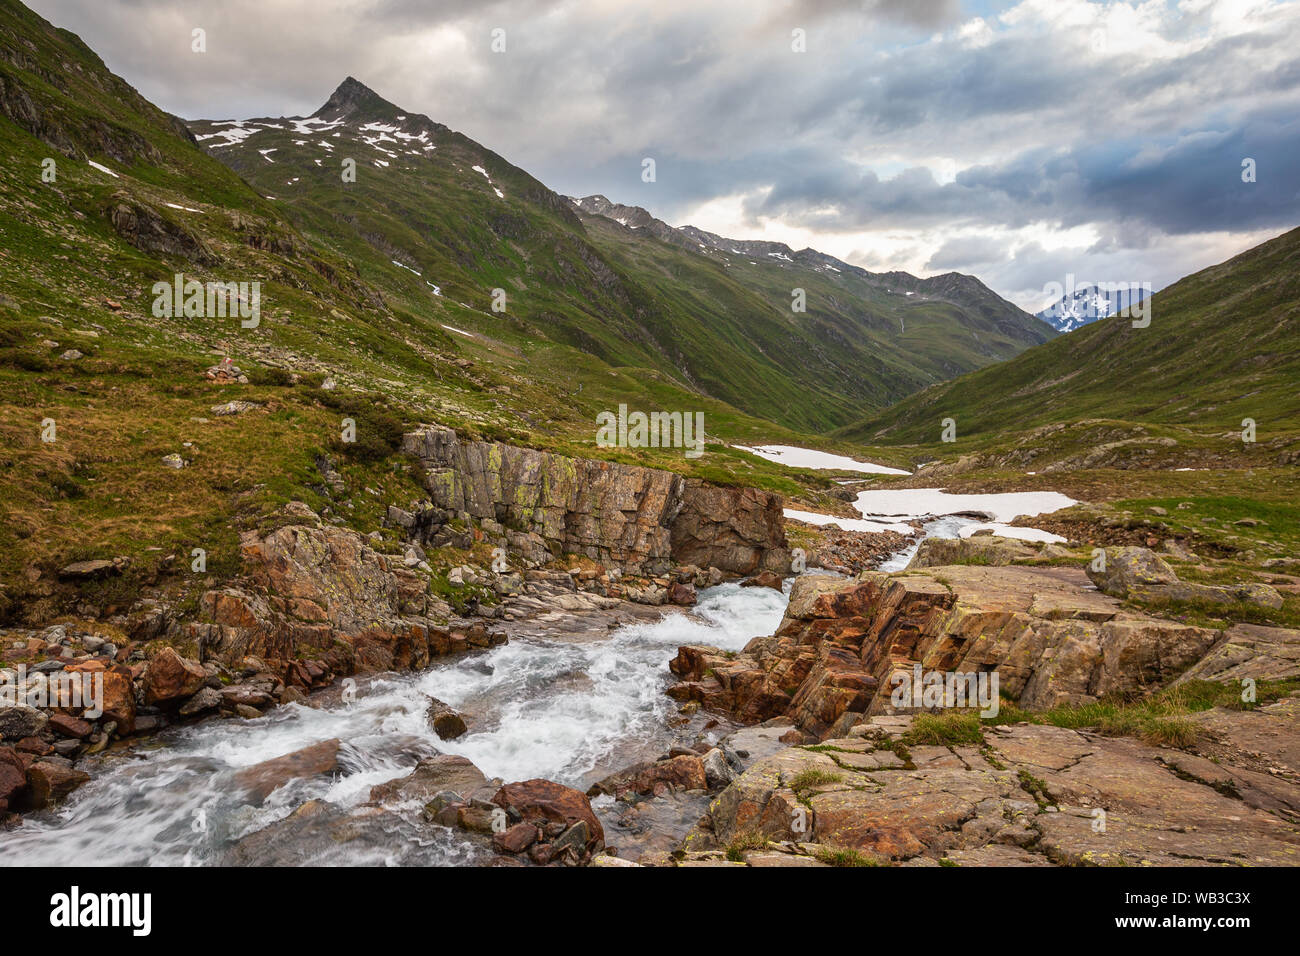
549	805
764	579
13	778
680	594
431	777
683	772
260	780
51	781
69	726
206	699
515	839
446	723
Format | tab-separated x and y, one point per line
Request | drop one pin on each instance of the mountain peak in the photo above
353	97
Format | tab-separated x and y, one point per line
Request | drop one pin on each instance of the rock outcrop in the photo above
1030	795
315	592
1049	639
637	519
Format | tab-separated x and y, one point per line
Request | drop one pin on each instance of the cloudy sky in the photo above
1016	141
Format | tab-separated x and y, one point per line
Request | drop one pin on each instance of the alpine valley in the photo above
344	567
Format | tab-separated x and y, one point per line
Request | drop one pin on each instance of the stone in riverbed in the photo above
50	782
260	780
207	698
446	723
69	726
546	804
764	579
431	776
516	839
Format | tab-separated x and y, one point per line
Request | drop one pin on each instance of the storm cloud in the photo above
1016	141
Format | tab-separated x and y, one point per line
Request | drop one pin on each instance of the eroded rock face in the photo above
834	657
637	519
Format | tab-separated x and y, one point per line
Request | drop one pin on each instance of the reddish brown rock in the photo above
764	579
550	806
681	594
13	776
682	772
119	692
171	677
68	726
50	782
516	839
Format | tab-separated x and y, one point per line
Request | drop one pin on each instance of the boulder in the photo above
207	698
681	594
977	549
764	579
1128	568
431	776
19	720
446	723
260	780
13	777
681	772
171	677
51	781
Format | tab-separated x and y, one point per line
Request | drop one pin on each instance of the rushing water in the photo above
567	710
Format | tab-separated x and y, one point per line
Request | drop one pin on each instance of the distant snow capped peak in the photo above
1087	304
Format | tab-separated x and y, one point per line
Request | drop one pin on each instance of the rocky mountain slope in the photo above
439	222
